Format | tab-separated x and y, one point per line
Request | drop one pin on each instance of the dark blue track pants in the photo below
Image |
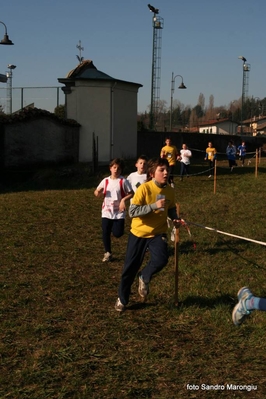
184	169
136	249
115	226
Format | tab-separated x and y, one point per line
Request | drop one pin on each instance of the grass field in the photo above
60	336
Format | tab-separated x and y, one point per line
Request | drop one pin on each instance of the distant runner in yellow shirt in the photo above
170	152
210	156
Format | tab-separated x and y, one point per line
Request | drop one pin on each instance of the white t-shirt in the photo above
136	179
113	196
185	156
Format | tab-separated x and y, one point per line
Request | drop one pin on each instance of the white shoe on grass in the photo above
240	311
119	306
143	289
107	257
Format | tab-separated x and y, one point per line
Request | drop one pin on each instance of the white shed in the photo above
105	107
218	126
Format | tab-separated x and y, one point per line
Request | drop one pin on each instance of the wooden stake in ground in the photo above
176	257
214	178
256	164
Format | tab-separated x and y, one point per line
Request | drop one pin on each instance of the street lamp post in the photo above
9	75
181	86
6	39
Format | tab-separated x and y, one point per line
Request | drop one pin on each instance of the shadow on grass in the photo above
141	305
66	177
210	303
190	301
236	251
56	177
221	246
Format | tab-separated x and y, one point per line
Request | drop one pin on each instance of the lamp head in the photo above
3	78
6	40
242	58
11	66
182	86
153	9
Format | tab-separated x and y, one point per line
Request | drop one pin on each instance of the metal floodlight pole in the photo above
5	40
157	23
152	76
242	98
246	68
182	86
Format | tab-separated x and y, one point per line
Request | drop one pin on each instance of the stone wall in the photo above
38	141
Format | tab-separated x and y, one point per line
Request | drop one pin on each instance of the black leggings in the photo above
115	226
171	174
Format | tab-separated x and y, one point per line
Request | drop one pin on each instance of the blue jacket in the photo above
231	152
242	150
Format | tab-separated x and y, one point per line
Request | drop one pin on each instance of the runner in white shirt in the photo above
140	176
184	158
116	190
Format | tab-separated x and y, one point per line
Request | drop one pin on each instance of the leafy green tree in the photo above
60	111
198	111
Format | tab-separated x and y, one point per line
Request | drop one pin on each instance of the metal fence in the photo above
47	98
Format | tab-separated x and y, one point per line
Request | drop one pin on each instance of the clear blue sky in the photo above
201	41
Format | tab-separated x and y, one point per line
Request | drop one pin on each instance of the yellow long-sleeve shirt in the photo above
153	222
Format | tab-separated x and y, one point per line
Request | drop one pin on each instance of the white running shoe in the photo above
107	257
119	306
240	311
143	289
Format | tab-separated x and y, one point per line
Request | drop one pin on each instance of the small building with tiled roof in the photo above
255	119
261	128
218	126
106	108
253	126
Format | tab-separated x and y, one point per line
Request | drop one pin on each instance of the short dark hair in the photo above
142	156
153	164
117	161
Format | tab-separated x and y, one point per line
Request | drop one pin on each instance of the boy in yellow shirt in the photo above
210	156
169	151
152	203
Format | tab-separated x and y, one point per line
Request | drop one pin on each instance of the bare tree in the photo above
210	111
201	101
193	120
